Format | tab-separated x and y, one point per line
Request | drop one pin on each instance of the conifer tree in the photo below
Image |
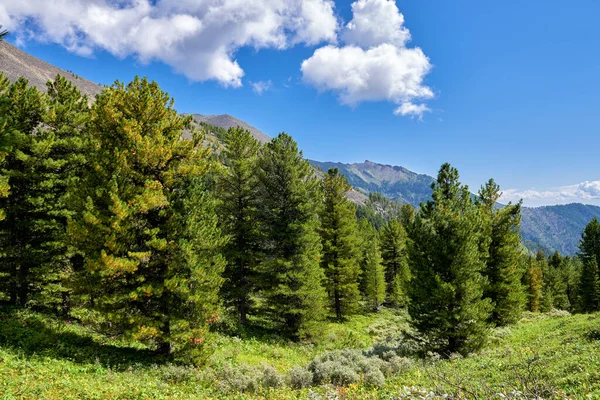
534	283
6	134
21	235
291	276
146	222
393	240
237	192
373	272
548	278
503	268
339	237
447	306
558	271
589	286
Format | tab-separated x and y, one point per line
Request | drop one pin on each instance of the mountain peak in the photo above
227	121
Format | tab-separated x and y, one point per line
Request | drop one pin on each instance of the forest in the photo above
115	224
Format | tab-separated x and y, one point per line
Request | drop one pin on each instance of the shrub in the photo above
271	378
374	377
300	378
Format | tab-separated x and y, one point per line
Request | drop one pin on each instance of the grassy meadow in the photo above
554	355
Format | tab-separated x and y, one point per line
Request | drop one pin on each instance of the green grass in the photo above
41	357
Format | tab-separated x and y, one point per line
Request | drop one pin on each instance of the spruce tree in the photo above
146	222
339	237
6	134
291	276
589	286
238	195
372	270
393	243
447	306
548	278
503	262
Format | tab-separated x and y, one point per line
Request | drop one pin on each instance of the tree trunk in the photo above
23	287
337	304
165	347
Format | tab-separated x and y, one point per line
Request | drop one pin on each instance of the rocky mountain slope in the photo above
548	228
15	63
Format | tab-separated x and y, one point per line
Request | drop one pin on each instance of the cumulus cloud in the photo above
261	86
374	62
584	192
196	38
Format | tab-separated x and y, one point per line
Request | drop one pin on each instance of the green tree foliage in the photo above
291	276
407	216
503	263
572	268
372	270
447	306
6	134
393	243
339	236
589	287
558	281
236	190
147	223
534	281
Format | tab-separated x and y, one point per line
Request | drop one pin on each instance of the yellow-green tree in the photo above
146	222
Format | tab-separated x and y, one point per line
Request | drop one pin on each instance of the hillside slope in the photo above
556	227
15	63
226	121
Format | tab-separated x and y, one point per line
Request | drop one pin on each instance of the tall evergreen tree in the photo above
22	233
534	283
447	306
339	236
6	134
292	279
372	270
589	287
558	271
236	190
393	243
147	224
503	267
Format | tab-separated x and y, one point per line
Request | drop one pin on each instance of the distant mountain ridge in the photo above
548	228
395	182
226	121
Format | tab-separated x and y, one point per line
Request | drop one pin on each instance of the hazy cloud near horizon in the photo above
587	192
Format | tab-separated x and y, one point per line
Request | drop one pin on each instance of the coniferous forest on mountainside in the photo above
149	254
137	254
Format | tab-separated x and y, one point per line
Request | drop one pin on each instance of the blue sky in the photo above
509	90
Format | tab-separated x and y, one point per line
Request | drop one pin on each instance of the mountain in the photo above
15	63
556	227
548	228
397	183
226	121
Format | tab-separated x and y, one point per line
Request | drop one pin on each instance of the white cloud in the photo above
261	86
197	38
411	109
375	22
584	192
374	64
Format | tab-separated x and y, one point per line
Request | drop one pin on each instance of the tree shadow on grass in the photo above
37	335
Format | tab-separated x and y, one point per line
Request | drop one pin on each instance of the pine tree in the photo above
393	240
548	278
339	237
534	283
147	224
372	270
503	268
589	287
447	306
21	235
291	276
236	190
6	134
559	281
